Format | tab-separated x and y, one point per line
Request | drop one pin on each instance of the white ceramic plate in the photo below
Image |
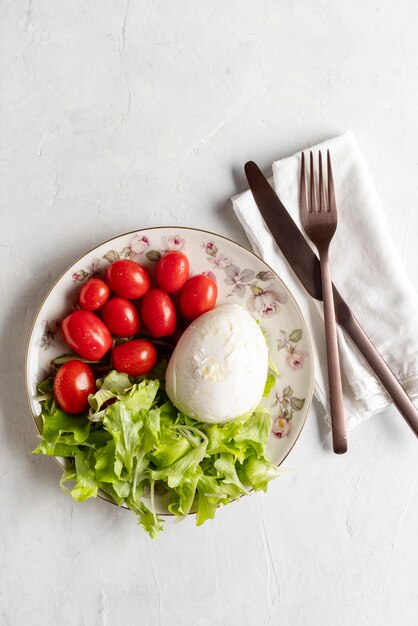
242	277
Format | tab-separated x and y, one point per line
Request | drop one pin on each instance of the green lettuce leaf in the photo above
141	396
254	431
114	385
221	439
183	496
82	473
55	449
124	420
270	382
45	390
152	523
259	472
126	435
60	427
105	460
115	382
109	489
209	498
46	386
172	446
185	467
97	438
228	473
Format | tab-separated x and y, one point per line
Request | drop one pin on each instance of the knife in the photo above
305	264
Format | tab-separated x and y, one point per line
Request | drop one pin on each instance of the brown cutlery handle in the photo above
339	435
376	362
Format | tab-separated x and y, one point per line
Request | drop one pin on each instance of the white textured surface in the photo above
116	115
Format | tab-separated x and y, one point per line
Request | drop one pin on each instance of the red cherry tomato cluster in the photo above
122	305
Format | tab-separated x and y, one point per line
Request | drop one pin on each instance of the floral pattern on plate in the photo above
137	248
50	330
288	405
295	356
264	299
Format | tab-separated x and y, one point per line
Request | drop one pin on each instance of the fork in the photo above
319	219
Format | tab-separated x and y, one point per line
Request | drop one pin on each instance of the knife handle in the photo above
377	364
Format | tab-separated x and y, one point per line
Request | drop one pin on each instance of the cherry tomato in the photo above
158	313
73	384
172	271
197	296
121	317
128	279
94	294
135	358
87	335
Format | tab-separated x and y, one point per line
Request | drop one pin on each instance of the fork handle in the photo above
339	435
376	362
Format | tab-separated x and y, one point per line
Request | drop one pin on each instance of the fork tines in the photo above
324	202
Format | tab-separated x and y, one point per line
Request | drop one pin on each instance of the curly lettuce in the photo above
133	443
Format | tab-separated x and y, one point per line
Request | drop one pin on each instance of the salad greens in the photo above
134	444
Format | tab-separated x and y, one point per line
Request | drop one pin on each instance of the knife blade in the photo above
306	266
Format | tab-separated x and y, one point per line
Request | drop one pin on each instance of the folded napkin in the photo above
365	266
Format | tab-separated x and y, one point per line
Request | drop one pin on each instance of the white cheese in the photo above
218	369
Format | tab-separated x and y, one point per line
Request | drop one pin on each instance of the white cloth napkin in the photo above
367	269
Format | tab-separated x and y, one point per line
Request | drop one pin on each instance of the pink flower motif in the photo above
210	248
210	275
79	276
266	301
138	244
281	427
220	261
296	359
174	242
